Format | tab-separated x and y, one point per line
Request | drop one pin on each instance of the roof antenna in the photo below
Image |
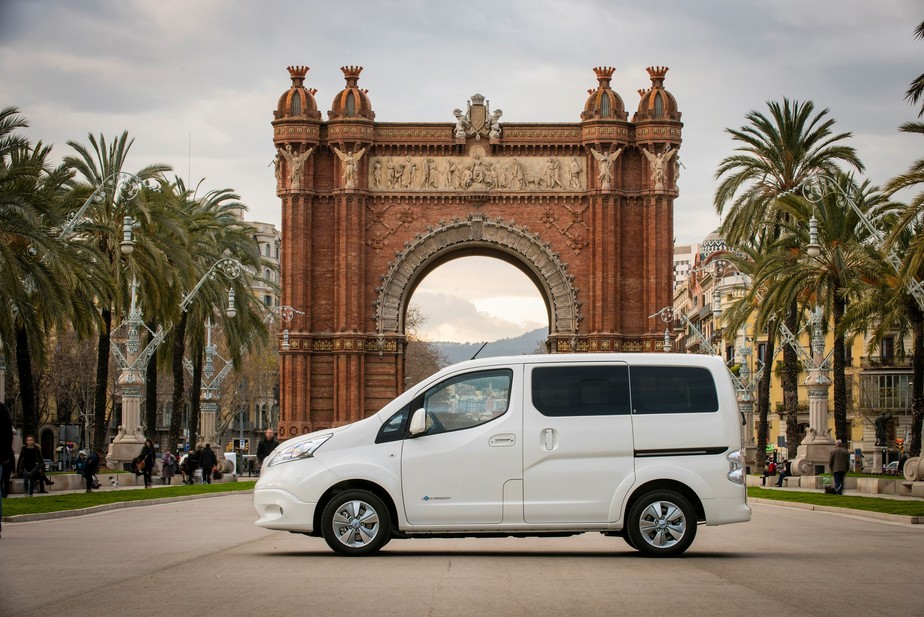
479	350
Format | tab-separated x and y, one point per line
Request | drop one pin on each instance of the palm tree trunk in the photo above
194	399
100	428
176	413
917	384
150	392
763	402
841	429
791	386
26	383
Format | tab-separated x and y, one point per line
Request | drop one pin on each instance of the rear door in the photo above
577	442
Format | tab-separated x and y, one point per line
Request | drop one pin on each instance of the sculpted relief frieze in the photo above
476	173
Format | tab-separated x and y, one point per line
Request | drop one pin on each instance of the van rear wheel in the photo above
356	523
661	524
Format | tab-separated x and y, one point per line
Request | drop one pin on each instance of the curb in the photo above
47	516
894	518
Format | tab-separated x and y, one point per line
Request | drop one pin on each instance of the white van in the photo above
643	446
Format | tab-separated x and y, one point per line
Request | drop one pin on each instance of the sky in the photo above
195	82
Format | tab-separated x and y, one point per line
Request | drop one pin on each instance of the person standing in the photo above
6	447
147	461
839	461
167	468
90	467
29	467
207	461
266	446
192	463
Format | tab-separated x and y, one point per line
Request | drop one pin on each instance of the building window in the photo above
605	106
762	352
350	105
296	104
268	300
659	105
887	350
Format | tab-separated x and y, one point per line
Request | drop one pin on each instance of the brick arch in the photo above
476	232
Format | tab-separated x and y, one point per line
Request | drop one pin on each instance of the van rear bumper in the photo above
279	509
727	510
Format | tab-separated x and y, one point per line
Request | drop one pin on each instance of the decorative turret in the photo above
657	103
351	102
298	101
603	103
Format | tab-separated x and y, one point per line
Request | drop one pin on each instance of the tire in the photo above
661	524
356	523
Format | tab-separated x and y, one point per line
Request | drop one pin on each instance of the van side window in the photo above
673	389
468	400
395	427
581	390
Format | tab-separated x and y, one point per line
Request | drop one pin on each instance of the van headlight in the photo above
735	467
300	450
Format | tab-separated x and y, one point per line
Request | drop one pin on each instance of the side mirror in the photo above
419	423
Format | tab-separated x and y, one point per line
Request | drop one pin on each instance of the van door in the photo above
577	442
454	474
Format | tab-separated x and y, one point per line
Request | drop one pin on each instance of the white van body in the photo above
644	446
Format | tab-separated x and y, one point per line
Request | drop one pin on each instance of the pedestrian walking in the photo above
266	446
839	462
29	467
208	461
90	468
146	461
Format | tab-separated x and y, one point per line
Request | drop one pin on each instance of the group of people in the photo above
30	464
771	468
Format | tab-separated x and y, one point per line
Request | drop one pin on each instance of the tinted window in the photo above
581	390
395	427
673	389
467	400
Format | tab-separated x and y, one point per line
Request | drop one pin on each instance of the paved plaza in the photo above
205	557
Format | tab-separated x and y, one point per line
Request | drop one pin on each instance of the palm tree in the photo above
42	279
916	89
836	277
100	166
214	231
777	155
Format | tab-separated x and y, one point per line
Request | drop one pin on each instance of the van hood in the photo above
330	431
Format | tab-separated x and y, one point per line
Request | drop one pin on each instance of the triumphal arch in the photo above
585	209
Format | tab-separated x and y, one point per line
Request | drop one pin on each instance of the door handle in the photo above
549	439
503	440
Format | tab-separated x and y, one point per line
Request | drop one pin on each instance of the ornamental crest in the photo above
478	121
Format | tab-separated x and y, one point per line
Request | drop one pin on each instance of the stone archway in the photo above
545	269
585	209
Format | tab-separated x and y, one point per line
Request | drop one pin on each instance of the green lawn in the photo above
77	501
869	504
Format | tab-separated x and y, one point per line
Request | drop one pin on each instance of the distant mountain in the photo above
523	344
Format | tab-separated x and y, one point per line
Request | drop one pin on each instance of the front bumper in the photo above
280	509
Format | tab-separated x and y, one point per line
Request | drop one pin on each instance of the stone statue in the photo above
350	163
407	172
552	171
516	175
574	174
882	429
656	162
495	131
377	175
390	173
462	124
605	162
430	173
295	162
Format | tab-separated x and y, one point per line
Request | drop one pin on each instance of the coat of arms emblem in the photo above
478	121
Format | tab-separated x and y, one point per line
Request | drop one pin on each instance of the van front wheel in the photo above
661	524
356	523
